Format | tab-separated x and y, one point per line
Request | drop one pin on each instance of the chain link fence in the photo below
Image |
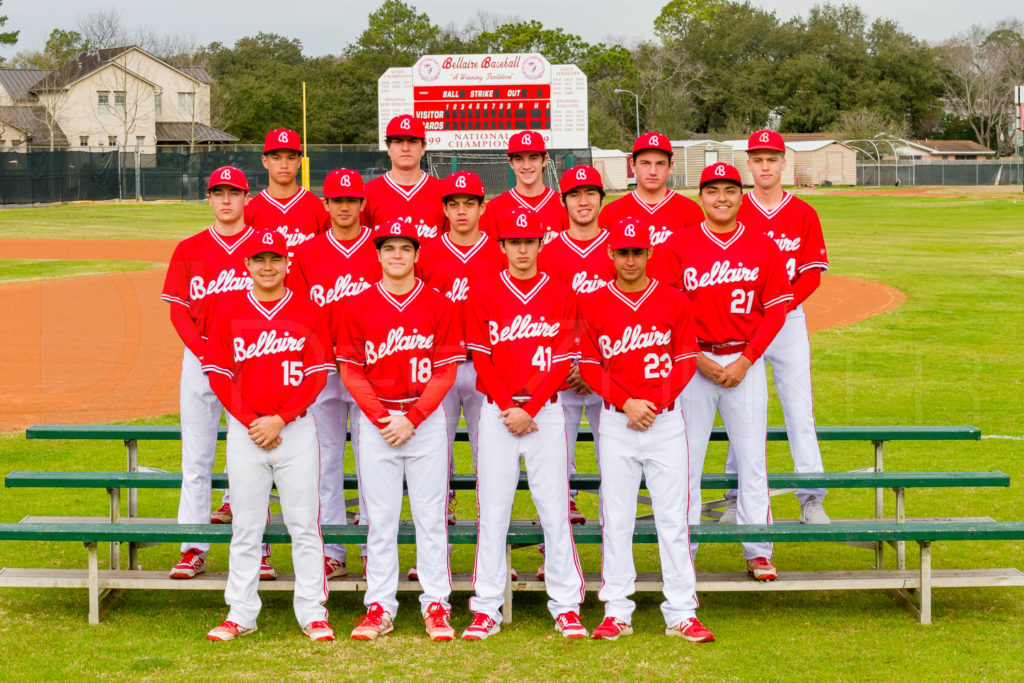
957	172
181	173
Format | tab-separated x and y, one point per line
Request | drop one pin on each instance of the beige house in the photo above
691	157
119	97
816	162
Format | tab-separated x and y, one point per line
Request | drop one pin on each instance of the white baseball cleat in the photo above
482	628
692	630
318	631
229	630
436	621
568	624
729	514
192	562
376	622
334	568
812	512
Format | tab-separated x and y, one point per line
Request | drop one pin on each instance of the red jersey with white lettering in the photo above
298	217
548	204
266	348
795	228
673	213
418	204
451	269
326	270
584	266
203	269
399	340
730	278
524	332
637	336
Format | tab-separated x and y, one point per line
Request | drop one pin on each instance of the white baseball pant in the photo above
744	410
423	462
572	408
655	453
546	456
463	397
294	468
790	358
332	410
200	419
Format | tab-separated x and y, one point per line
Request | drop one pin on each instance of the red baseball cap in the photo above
282	138
520	223
394	228
229	176
406	125
720	171
580	176
526	141
266	240
652	141
462	182
343	182
766	139
627	233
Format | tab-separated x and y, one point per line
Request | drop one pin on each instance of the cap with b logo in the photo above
526	141
580	176
394	228
520	223
406	125
228	176
462	182
720	171
652	141
343	182
627	233
766	139
266	240
282	138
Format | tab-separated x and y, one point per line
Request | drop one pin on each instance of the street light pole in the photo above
636	101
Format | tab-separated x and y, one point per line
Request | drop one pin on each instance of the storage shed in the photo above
613	165
690	157
820	161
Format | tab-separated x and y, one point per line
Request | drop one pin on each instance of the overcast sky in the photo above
326	26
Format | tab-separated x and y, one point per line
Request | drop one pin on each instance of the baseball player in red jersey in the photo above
796	229
528	157
451	264
736	280
204	269
399	350
334	265
521	331
658	209
285	206
266	359
405	192
578	257
638	350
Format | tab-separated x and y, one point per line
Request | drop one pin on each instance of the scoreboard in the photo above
478	101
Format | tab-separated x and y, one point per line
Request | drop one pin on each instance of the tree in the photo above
6	37
60	47
980	68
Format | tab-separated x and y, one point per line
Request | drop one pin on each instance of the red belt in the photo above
667	409
723	348
522	401
400	404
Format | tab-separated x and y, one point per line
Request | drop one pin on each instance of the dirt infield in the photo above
101	348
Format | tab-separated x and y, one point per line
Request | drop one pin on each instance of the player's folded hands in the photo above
265	431
398	429
640	413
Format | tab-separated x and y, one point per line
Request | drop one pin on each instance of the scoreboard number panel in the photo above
479	101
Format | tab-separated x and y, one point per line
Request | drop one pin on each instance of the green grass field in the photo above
23	270
949	355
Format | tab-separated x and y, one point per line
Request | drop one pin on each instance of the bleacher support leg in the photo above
926	582
901	516
879	506
94	584
506	609
132	446
115	517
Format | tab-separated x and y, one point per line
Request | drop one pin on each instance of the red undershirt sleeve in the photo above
354	378
231	398
433	393
804	286
774	319
187	330
489	379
